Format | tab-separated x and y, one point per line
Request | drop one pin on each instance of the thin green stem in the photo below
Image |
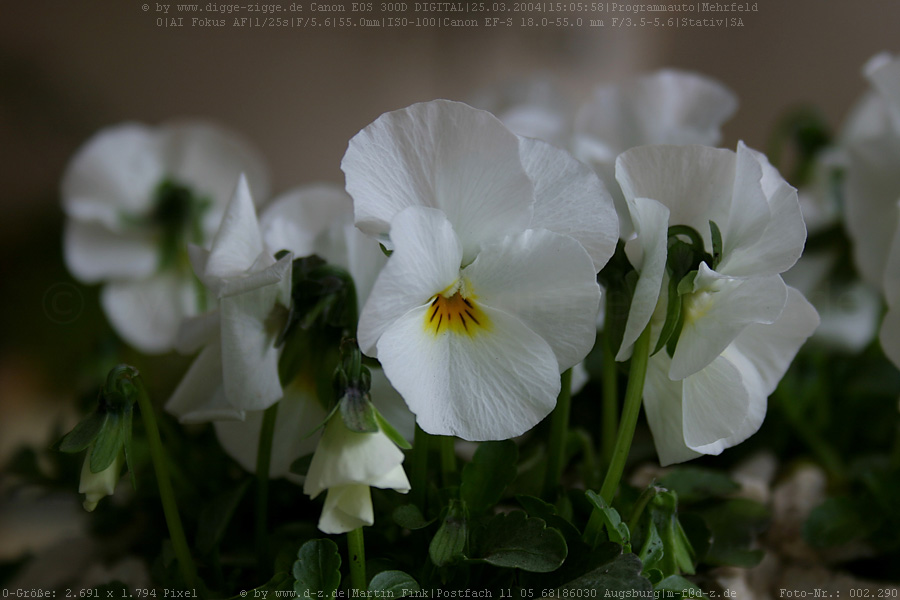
263	464
642	501
448	459
356	548
166	493
610	401
633	393
556	445
419	469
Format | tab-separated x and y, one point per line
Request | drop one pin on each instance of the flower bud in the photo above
95	486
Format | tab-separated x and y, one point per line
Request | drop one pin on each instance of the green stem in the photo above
166	494
556	445
448	459
263	464
610	401
419	469
630	411
642	501
356	548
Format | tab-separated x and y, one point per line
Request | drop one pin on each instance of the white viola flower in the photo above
95	486
347	464
741	325
491	291
237	369
665	107
134	197
315	219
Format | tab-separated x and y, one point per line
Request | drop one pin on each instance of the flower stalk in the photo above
559	428
263	466
356	548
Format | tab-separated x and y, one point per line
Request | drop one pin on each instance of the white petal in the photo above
493	385
347	507
651	221
200	397
309	220
547	281
196	332
238	242
717	310
715	405
94	253
148	313
748	210
570	199
425	261
883	70
115	172
345	457
249	329
444	155
663	408
299	413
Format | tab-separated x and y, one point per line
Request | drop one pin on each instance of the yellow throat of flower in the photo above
455	313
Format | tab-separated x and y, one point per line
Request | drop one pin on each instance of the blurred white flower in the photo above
135	196
491	289
95	486
347	464
237	370
740	324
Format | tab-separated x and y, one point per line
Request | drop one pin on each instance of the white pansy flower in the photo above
95	486
664	107
347	464
135	196
315	219
741	325
491	289
237	369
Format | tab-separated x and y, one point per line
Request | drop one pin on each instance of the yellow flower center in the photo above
455	313
697	304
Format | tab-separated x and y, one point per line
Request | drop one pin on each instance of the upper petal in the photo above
547	281
426	261
444	155
200	396
93	252
309	220
570	199
493	385
664	411
238	242
716	403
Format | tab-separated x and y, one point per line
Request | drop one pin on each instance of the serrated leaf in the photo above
535	507
317	571
216	515
410	517
516	541
616	530
84	433
109	443
652	550
449	543
696	483
485	478
393	584
678	555
619	576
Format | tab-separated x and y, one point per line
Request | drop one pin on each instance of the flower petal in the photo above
570	199
425	261
200	397
94	253
717	310
347	507
715	405
493	385
309	220
883	70
238	242
148	313
663	408
548	282
444	155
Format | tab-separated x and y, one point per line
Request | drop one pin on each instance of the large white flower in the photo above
134	197
491	289
237	370
347	464
741	325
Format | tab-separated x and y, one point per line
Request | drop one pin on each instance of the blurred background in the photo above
71	67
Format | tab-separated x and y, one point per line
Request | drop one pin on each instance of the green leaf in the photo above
126	446
693	484
282	581
109	442
652	550
393	584
616	530
535	507
620	575
676	584
216	515
410	517
449	543
317	571
673	316
734	525
836	521
516	541
678	555
392	433
84	433
485	478
357	411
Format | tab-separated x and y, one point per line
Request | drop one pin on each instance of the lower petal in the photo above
716	403
347	507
